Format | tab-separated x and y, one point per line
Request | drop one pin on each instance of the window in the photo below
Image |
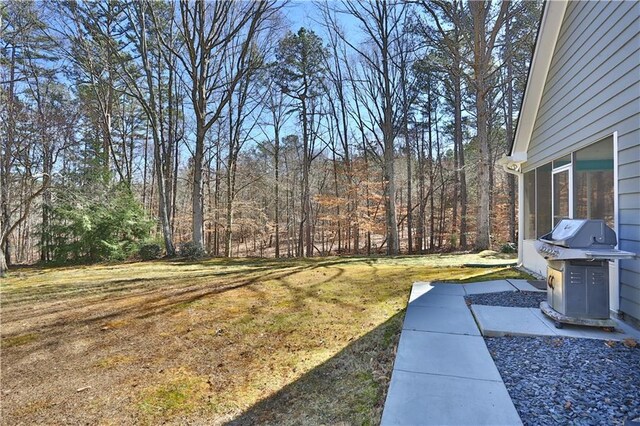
537	202
578	185
562	161
543	200
593	182
530	205
560	195
561	205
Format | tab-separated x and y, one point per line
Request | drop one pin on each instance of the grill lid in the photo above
581	233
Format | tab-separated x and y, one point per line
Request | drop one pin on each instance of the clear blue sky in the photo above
303	13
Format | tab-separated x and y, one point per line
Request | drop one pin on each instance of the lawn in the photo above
243	341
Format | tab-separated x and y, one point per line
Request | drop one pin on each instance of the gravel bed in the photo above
570	381
512	299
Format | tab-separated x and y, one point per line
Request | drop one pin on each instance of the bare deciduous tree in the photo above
210	30
381	22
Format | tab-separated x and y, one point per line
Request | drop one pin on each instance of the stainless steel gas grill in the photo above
578	252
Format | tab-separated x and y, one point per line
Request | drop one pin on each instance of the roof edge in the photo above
548	32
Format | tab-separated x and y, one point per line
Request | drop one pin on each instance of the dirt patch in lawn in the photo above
290	341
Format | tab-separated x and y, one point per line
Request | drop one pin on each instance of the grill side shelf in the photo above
610	254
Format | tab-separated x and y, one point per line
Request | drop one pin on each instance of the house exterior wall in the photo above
592	90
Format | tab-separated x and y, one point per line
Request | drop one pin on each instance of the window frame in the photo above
565	168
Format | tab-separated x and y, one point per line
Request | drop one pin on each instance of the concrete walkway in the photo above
497	321
443	373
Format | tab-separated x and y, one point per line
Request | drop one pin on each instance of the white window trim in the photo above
521	214
569	169
614	267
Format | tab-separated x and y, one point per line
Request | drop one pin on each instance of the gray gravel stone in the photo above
557	380
513	299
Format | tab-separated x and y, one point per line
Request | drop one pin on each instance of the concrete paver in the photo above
524	285
429	399
488	287
441	300
426	291
501	321
445	354
440	319
497	321
438	288
622	331
625	328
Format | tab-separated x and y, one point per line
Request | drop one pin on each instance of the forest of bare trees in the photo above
230	128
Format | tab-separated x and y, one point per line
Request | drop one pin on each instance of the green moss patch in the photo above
9	342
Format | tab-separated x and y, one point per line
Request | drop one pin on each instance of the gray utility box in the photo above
579	288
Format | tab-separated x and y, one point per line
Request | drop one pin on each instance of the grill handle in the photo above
550	280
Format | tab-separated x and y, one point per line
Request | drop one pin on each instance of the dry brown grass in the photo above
288	341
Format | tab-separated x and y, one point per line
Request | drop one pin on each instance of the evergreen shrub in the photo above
107	228
150	251
191	250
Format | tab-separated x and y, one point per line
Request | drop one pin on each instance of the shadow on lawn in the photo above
498	273
350	387
156	301
104	287
300	293
264	262
113	285
159	301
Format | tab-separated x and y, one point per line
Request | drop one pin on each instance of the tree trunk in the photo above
421	195
431	173
145	165
389	154
441	216
45	241
305	224
158	144
231	188
197	199
162	201
276	160
337	195
483	241
408	153
459	146
216	202
3	263
455	238
482	48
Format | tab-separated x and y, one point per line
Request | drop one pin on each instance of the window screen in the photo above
530	205
563	161
560	196
593	182
543	200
